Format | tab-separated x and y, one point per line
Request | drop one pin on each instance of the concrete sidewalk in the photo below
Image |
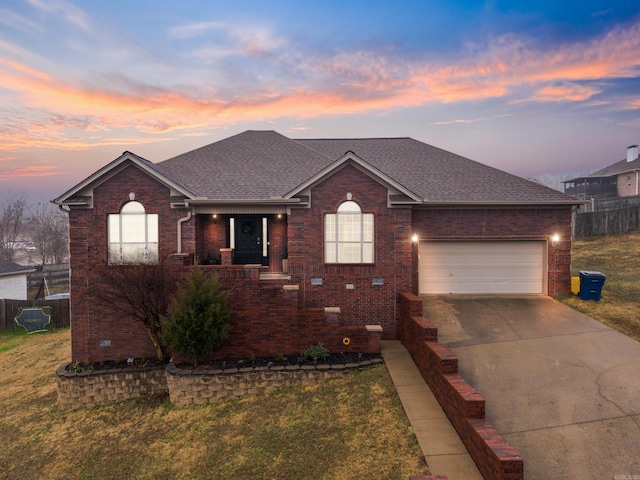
443	450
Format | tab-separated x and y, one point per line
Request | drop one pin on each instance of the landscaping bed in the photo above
86	384
342	358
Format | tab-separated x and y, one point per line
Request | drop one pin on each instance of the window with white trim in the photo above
348	235
133	235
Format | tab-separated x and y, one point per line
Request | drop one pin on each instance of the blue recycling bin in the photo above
591	285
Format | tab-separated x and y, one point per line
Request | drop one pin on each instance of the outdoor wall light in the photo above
414	238
555	238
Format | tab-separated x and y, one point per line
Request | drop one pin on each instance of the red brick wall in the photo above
365	303
91	321
277	241
268	319
266	314
505	224
211	236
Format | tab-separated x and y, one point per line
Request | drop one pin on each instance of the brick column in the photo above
375	335
226	256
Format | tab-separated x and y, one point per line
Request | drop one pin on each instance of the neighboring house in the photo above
358	221
622	179
13	280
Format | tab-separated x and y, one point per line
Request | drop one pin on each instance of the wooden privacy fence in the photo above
607	222
59	310
55	275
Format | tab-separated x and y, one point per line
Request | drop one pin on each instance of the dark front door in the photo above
249	239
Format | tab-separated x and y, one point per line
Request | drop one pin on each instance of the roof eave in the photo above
550	203
405	202
244	201
18	272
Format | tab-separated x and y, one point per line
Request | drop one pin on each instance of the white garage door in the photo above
515	267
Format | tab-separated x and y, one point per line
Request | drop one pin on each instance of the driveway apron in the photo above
562	388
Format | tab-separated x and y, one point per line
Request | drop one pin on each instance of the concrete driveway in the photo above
562	388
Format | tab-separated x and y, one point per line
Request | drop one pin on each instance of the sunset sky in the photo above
533	88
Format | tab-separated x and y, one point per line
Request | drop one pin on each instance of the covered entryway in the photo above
482	267
249	239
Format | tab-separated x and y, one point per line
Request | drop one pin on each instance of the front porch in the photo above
250	239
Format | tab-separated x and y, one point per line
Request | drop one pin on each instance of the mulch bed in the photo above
342	358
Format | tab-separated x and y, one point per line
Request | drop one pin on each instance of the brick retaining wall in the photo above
101	387
495	458
195	387
188	387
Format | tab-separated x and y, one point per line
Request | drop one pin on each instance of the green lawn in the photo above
618	258
352	427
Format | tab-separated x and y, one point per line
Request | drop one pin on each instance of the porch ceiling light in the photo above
555	239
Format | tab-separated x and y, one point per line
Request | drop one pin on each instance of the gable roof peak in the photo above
81	194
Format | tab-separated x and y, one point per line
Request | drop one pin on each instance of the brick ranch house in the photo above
356	221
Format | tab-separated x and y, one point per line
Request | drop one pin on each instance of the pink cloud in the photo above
30	171
76	116
567	92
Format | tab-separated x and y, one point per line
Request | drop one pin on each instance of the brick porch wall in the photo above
269	318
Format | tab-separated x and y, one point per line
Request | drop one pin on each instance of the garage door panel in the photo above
482	267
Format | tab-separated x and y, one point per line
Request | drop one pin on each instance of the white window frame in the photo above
349	235
133	235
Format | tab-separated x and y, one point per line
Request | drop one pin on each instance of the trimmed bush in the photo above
199	317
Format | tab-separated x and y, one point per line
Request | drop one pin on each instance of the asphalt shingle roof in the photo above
261	165
7	267
254	165
619	167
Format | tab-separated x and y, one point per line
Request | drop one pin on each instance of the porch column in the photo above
226	256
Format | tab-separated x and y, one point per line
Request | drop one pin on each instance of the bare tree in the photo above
50	233
11	224
141	291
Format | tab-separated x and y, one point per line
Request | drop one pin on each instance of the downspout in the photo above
180	222
637	191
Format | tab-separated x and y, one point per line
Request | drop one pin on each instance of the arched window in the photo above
348	235
133	235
